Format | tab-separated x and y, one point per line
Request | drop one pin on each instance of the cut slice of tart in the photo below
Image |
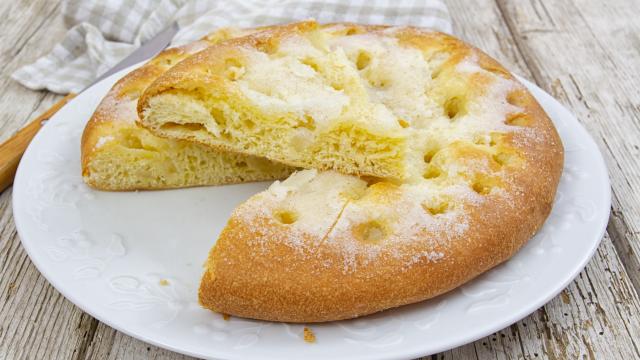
117	154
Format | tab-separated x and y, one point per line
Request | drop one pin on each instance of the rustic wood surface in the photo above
584	52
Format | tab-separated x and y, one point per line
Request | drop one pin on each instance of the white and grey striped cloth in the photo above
103	32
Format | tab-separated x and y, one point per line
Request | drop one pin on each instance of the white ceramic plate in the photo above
108	252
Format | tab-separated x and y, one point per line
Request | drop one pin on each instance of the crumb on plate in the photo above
309	336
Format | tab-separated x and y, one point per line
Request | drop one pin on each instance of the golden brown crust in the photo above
256	270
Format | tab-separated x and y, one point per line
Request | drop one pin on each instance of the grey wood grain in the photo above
585	52
27	29
35	320
585	320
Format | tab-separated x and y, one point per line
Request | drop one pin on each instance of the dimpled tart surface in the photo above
322	245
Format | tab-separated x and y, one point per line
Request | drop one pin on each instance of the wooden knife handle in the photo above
11	150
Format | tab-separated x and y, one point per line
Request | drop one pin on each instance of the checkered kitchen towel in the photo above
104	32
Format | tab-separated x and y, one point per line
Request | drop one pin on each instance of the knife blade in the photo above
11	151
146	51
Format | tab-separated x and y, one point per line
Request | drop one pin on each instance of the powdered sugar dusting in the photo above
314	199
406	221
414	222
431	256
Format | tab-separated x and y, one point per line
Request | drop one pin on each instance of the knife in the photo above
11	150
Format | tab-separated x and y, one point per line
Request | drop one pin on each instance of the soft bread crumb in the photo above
164	282
119	155
309	336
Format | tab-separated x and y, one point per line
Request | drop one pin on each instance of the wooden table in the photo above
584	52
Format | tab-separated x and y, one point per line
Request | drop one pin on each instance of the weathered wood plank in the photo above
482	26
588	53
28	28
114	345
589	318
35	320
